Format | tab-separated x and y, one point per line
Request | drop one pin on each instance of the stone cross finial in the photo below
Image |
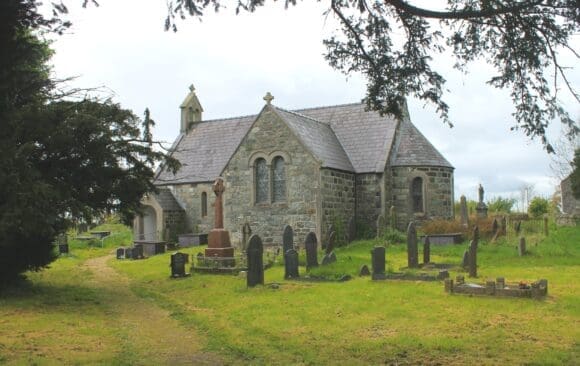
268	98
191	88
218	189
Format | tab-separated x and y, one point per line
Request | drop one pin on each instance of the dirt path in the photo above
158	338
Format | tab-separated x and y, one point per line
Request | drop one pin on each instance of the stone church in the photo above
308	168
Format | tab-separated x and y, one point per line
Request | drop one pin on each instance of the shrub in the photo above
394	236
500	204
538	207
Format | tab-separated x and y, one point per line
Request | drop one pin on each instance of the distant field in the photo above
62	316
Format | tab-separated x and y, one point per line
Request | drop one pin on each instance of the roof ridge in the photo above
329	106
301	115
227	118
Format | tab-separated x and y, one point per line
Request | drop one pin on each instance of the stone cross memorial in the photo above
291	264
255	274
311	246
412	249
219	239
287	239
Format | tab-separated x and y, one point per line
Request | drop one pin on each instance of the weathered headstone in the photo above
287	239
246	232
412	249
364	271
473	258
465	260
120	253
522	247
255	261
351	230
328	258
330	245
311	246
449	285
380	226
128	253
481	208
427	251
178	261
378	260
393	218
291	264
463	211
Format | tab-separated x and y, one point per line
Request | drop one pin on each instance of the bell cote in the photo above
190	111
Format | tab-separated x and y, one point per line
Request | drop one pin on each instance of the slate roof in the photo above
206	149
414	149
167	201
319	138
343	137
365	136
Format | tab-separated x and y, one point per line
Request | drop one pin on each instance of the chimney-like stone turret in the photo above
190	110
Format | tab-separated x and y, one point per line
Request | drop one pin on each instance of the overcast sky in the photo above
234	60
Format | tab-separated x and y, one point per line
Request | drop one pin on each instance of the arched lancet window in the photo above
279	180
261	179
203	204
417	194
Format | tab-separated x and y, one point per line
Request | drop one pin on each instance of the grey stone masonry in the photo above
338	198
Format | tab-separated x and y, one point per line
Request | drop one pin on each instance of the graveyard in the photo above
133	312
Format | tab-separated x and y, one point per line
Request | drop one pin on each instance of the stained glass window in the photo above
262	180
279	183
417	194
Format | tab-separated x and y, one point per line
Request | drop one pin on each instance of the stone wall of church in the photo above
338	199
369	202
268	138
438	193
189	197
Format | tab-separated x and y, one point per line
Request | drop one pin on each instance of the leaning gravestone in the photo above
329	257
412	250
255	262
178	261
522	247
473	258
311	246
120	253
380	226
291	264
378	260
351	230
426	251
287	239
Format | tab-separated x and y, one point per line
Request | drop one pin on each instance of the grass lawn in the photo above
57	318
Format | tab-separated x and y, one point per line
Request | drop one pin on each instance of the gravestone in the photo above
476	234
380	226
481	207
329	256
137	252
495	229
426	251
120	253
364	271
545	225
291	264
522	247
255	262
287	239
473	258
219	244
463	211
311	246
178	261
465	260
128	253
351	230
412	250
246	232
393	218
378	260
